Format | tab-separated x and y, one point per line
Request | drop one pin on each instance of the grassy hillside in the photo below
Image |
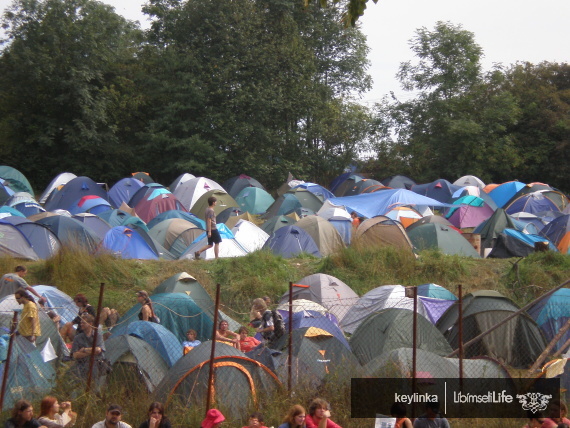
258	274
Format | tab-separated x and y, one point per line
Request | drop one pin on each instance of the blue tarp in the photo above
378	203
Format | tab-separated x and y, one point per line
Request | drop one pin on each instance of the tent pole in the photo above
8	358
95	335
209	397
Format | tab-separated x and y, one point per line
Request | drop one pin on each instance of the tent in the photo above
435	291
551	314
29	376
190	191
29	208
558	232
316	354
504	192
43	241
469	180
123	190
95	223
377	299
317	189
57	183
118	217
178	312
379	203
491	229
310	318
177	214
381	232
90	204
71	232
275	223
14	243
324	234
58	301
391	329
405	215
235	185
512	243
446	239
249	236
254	200
470	211
229	247
224	201
239	381
429	219
182	178
440	190
15	179
175	234
134	362
143	177
72	192
366	185
330	292
155	203
291	241
149	190
127	243
531	203
517	343
398	182
345	182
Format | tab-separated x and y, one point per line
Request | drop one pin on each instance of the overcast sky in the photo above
507	30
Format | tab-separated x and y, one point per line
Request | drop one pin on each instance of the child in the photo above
189	344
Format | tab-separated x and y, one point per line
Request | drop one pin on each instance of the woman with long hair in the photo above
22	416
147	311
50	416
295	418
156	417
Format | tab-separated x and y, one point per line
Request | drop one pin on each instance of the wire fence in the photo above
192	358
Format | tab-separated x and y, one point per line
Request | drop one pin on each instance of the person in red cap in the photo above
214	419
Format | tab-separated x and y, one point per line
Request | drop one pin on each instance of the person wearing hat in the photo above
112	418
214	419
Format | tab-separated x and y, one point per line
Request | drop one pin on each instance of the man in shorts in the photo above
214	237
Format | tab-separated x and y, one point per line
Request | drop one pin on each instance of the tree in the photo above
66	88
251	86
458	122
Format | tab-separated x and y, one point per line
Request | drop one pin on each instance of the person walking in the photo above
214	237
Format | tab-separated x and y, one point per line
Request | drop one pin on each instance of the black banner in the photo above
469	398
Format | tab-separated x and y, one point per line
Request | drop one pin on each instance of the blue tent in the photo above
441	190
378	203
128	244
316	319
29	377
512	243
291	241
123	190
178	312
551	314
531	203
504	192
317	189
58	301
95	223
72	192
71	232
29	208
159	337
435	291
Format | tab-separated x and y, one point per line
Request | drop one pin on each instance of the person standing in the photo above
147	311
112	418
11	282
214	237
29	325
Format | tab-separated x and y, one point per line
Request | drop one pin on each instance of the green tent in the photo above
254	200
225	201
517	343
446	238
16	180
391	329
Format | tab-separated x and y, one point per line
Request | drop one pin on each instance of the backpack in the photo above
278	324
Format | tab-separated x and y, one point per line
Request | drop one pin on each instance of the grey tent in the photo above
239	381
381	231
392	329
326	290
517	343
136	361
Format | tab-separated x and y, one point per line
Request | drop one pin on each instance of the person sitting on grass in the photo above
295	418
22	416
50	416
319	415
224	334
246	342
191	341
255	421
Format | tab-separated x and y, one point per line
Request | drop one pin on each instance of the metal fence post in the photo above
209	397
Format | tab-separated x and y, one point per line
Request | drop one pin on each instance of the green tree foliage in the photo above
65	88
542	134
253	86
458	122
